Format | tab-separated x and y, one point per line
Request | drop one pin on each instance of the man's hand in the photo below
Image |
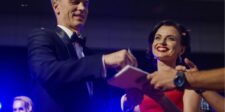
119	59
190	64
164	81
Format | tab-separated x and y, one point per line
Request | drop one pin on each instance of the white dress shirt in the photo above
80	54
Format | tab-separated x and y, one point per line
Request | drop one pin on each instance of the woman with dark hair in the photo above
169	44
181	30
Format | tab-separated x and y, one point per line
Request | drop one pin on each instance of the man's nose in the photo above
81	6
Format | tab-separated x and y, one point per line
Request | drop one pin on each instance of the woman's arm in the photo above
191	101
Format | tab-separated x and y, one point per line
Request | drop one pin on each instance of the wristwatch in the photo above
180	81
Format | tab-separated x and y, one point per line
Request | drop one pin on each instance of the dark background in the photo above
112	25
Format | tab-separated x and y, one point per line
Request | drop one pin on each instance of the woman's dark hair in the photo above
185	37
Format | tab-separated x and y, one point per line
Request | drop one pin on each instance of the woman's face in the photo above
167	44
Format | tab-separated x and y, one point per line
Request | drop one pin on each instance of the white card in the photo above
128	78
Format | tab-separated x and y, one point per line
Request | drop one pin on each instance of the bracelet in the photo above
199	91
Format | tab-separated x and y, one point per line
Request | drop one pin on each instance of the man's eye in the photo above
86	3
75	2
21	108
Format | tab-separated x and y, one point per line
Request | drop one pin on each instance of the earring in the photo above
180	59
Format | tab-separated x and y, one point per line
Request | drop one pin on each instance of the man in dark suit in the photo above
63	72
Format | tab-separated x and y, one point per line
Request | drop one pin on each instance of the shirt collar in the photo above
67	30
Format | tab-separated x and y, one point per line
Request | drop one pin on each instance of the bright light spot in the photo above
0	105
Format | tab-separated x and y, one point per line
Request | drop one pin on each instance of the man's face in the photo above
19	106
71	13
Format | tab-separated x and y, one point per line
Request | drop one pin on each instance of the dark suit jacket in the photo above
59	77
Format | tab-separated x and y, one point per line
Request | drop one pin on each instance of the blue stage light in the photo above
0	105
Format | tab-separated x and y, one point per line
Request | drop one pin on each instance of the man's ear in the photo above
55	6
30	109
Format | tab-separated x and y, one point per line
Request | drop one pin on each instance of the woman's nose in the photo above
163	41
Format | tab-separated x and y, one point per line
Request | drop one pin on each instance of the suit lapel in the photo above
64	37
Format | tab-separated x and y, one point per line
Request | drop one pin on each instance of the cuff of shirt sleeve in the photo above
104	71
122	101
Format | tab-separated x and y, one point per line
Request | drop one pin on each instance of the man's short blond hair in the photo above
28	102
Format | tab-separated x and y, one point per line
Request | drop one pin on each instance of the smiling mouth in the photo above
162	49
79	16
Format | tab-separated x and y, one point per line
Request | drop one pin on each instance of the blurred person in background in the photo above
22	104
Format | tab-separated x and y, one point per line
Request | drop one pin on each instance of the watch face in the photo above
179	80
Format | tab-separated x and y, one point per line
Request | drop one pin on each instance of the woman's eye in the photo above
172	38
157	37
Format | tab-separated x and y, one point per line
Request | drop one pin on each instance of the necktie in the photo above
80	40
79	50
